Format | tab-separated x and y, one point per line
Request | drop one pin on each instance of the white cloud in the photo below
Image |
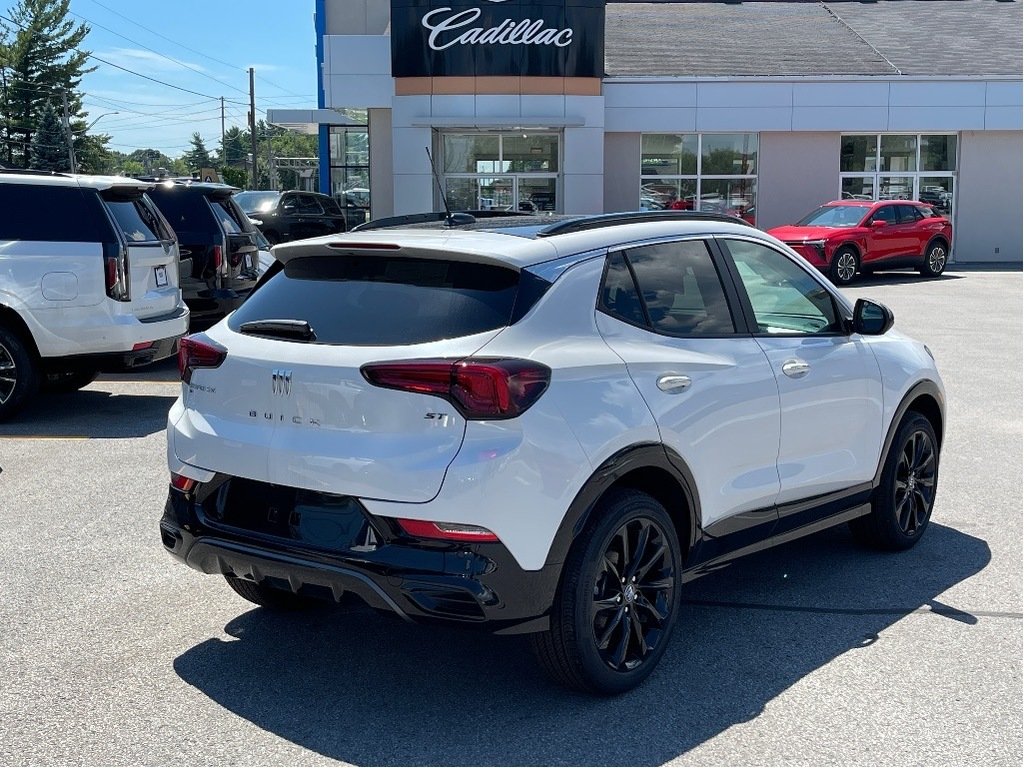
132	58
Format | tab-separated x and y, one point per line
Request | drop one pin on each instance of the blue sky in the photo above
193	44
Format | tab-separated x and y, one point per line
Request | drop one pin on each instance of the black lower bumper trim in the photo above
227	557
117	362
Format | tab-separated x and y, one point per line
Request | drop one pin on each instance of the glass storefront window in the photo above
898	153
937	191
530	153
858	154
895	187
468	153
938	153
699	172
671	154
728	153
350	171
858	188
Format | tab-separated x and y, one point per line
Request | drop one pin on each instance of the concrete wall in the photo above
796	172
382	176
621	172
988	199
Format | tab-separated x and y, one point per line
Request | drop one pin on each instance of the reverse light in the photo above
198	351
424	529
479	388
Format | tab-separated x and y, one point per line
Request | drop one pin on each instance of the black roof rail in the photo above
458	218
599	221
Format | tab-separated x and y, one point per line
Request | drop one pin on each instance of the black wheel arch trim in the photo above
926	388
640	456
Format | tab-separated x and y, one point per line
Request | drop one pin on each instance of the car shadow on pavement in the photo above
369	689
90	413
899	278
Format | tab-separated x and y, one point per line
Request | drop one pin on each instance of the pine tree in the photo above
41	62
198	157
49	148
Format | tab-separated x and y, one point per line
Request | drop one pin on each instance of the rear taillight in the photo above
115	270
218	258
198	351
182	483
479	388
423	529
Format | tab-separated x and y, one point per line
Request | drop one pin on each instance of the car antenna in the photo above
450	219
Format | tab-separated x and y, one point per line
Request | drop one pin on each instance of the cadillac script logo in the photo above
448	28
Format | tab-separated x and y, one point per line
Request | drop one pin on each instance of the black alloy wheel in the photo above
618	598
19	377
914	487
903	502
633	594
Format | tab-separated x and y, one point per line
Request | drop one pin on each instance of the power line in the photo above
161	55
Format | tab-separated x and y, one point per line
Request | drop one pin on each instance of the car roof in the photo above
200	186
871	203
44	178
517	242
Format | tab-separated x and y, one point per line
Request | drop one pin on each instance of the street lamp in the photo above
105	114
74	160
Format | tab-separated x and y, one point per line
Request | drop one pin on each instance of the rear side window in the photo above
619	297
308	205
51	213
679	285
137	222
229	215
381	300
909	214
331	206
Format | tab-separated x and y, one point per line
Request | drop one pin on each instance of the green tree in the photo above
40	60
198	157
236	177
233	150
49	147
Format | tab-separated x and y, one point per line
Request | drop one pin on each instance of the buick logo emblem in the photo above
281	382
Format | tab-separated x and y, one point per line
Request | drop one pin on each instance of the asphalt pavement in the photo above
817	652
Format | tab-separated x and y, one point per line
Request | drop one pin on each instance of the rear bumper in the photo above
477	584
115	362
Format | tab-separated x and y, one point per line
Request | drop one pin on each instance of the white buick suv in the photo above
542	425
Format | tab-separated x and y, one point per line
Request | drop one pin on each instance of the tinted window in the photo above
331	206
886	213
909	214
229	218
52	213
681	289
784	297
260	202
136	222
619	297
381	300
308	205
187	212
834	216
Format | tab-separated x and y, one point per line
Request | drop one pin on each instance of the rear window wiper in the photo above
297	330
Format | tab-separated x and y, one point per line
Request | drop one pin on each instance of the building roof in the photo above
762	39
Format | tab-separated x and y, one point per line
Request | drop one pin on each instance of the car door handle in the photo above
673	384
796	369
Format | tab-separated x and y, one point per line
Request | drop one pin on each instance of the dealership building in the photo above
760	109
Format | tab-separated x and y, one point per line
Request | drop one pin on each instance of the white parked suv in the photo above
88	282
543	425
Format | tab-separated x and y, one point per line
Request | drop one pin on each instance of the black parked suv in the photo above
219	253
286	216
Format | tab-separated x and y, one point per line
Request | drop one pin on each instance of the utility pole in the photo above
223	148
67	129
252	123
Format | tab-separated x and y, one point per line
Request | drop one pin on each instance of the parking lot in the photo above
814	653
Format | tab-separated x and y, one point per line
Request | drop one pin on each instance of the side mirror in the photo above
877	223
871	318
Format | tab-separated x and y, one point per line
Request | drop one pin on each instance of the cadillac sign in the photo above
466	38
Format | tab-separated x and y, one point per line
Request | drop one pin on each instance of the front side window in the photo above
715	172
785	299
680	290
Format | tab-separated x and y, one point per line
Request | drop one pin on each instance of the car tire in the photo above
628	557
902	506
267	596
844	266
19	373
68	381
935	257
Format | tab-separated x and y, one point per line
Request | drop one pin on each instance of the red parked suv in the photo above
844	237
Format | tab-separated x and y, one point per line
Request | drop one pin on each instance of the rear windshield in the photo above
188	214
231	219
134	218
382	301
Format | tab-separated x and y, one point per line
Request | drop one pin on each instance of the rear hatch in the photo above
289	403
240	266
142	270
